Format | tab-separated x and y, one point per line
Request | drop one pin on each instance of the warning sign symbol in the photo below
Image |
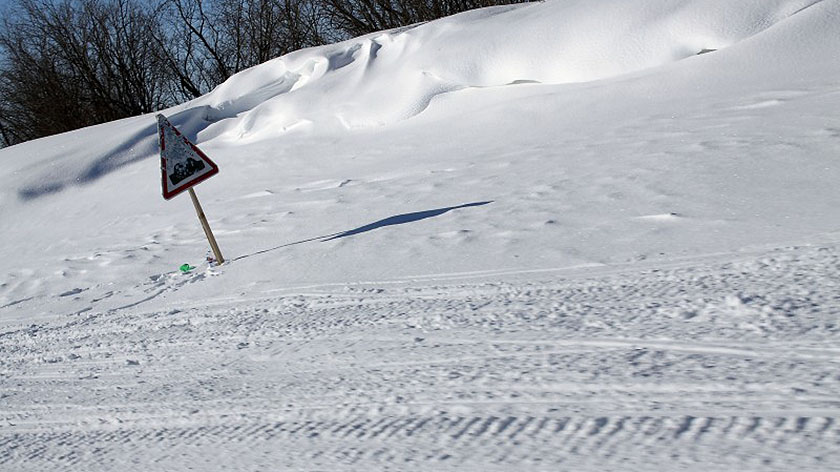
182	163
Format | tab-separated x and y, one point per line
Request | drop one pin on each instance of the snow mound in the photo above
597	128
390	76
387	77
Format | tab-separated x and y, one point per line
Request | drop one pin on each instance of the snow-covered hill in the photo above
595	233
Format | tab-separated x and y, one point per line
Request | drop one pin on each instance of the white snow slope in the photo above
543	237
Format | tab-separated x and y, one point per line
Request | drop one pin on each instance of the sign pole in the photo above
206	226
183	165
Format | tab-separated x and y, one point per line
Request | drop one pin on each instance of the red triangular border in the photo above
167	192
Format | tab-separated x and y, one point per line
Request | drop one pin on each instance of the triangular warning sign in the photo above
182	164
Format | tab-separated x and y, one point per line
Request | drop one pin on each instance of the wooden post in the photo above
206	226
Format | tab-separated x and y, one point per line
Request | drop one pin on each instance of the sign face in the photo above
182	163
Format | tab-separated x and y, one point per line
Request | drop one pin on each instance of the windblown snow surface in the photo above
585	235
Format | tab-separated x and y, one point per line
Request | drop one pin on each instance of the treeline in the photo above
66	64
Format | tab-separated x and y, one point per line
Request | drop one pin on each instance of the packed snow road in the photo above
693	365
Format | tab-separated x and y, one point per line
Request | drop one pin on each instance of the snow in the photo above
547	236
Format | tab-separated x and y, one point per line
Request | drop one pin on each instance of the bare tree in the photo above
65	64
74	63
358	17
208	41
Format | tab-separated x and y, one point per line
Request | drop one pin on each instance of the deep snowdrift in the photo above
595	127
390	76
386	77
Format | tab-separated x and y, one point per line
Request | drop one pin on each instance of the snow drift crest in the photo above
384	78
391	76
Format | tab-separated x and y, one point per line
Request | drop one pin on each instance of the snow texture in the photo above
590	235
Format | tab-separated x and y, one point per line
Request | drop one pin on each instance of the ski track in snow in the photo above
704	365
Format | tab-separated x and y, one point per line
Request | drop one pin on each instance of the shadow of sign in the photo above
390	221
402	219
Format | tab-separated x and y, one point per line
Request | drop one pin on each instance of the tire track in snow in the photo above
728	366
491	440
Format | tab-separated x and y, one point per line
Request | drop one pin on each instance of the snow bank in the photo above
390	76
386	77
584	122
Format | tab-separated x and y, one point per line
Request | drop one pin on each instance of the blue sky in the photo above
4	4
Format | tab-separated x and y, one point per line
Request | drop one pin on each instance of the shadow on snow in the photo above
401	219
133	147
390	221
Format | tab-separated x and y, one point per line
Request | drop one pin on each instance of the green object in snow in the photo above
186	268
